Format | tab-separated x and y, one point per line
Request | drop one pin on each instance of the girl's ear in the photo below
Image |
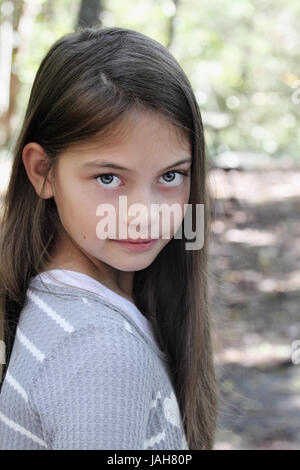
36	163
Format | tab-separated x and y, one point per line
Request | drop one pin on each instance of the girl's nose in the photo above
142	216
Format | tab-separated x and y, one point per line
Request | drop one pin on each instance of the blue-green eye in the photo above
108	178
181	173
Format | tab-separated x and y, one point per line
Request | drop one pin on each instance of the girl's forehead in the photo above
144	130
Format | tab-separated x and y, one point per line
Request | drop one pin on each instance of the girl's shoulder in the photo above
54	316
68	306
52	311
80	307
56	320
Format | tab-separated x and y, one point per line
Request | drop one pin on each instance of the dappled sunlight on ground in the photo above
254	285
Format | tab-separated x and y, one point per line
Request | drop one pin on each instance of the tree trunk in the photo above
172	24
22	22
10	18
89	13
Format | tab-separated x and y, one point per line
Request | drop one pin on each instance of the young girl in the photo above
108	344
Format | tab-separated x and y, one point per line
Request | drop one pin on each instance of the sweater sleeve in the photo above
94	390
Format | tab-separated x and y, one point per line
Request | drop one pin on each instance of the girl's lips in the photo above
137	246
137	240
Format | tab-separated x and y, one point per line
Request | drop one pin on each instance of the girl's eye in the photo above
107	178
171	179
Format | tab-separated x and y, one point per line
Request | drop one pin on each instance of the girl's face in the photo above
149	151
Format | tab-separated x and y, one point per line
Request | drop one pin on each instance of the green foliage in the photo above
242	58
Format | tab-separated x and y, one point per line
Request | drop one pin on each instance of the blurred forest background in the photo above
242	58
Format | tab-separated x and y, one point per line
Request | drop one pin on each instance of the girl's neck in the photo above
106	282
67	256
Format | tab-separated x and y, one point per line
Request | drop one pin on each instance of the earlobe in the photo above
36	163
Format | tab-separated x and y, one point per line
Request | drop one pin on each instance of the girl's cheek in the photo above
108	196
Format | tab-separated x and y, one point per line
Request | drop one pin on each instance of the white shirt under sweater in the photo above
86	373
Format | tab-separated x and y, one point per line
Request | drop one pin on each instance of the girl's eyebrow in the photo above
100	164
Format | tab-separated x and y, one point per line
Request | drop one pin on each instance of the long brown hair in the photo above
85	85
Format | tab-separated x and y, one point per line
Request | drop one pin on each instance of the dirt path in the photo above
254	281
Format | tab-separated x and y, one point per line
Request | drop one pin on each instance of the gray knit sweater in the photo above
83	375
